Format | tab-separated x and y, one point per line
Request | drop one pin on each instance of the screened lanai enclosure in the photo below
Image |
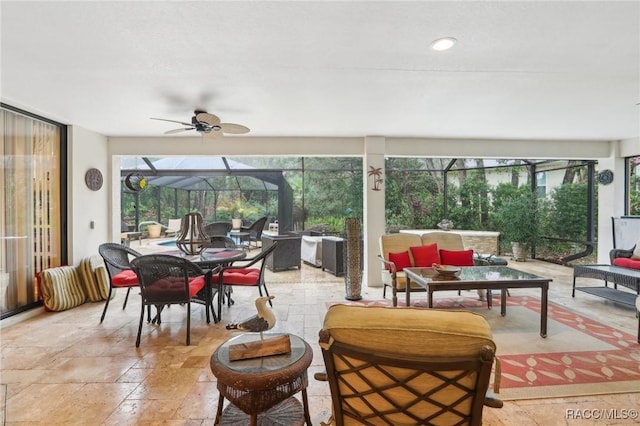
297	192
317	193
549	203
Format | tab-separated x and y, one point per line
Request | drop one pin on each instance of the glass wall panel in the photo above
633	186
30	214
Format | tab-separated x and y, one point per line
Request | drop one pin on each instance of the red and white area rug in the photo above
580	356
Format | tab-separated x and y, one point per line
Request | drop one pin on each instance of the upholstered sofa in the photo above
625	258
398	251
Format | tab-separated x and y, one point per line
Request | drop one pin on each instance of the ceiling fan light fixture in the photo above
443	43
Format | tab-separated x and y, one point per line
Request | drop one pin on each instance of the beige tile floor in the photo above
67	368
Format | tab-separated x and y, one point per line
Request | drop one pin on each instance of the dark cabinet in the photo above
286	255
332	255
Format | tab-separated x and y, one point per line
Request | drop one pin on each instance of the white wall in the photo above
87	150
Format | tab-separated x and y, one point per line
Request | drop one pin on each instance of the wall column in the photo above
374	208
610	201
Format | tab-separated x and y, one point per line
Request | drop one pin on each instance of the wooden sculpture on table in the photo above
264	320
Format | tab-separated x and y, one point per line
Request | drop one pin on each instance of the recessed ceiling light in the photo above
443	43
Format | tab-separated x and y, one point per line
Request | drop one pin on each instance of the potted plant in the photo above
517	221
235	209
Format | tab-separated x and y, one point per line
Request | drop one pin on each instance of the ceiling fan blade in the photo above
172	121
170	132
236	129
213	133
205	117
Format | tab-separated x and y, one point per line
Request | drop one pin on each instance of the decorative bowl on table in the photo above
446	271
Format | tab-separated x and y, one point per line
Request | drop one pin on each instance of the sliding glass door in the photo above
32	206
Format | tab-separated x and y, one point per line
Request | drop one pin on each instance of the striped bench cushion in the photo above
94	279
61	288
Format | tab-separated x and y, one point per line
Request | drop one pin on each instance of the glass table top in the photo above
262	364
475	273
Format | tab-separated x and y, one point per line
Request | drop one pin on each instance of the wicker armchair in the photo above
217	228
407	366
255	230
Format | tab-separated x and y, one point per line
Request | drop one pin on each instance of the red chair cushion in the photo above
243	276
169	288
196	284
626	262
401	260
126	278
456	257
425	255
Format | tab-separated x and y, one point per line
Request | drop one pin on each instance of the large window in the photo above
32	199
633	186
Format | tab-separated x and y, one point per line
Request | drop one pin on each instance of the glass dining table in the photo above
209	260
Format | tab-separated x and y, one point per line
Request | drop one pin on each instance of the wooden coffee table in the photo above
482	277
262	389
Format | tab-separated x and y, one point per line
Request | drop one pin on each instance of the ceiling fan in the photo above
208	124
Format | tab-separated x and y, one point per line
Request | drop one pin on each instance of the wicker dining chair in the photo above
244	272
170	280
117	258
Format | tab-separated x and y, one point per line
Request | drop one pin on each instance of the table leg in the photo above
219	410
407	291
254	420
207	294
429	297
220	296
305	405
503	302
543	310
216	316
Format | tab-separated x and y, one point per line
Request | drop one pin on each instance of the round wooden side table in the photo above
260	390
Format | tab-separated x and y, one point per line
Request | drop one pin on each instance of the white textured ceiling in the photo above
520	70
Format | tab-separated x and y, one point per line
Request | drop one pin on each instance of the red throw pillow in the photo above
425	255
456	258
626	262
401	260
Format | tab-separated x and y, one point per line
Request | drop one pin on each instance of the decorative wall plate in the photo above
93	179
605	177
